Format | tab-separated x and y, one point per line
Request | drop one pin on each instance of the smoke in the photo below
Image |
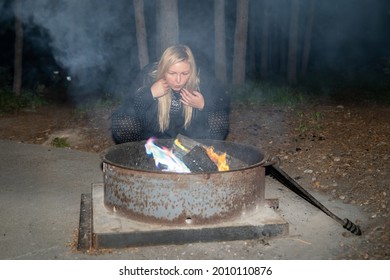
350	34
94	40
90	39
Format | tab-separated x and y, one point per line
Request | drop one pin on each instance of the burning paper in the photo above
164	158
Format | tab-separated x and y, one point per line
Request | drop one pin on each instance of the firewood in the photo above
197	160
184	145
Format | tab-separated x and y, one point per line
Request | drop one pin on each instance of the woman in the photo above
168	99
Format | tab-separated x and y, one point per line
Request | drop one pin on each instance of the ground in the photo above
339	149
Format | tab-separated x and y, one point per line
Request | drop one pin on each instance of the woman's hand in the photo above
194	99
159	88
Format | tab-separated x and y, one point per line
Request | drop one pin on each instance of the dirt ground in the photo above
341	150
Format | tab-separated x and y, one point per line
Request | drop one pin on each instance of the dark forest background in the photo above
89	48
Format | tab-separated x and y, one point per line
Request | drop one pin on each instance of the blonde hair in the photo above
171	56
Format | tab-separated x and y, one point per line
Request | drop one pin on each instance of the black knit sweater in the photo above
140	103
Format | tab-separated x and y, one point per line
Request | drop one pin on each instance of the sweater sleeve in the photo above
213	121
143	100
215	95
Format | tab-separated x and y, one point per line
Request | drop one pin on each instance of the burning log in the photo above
197	160
201	157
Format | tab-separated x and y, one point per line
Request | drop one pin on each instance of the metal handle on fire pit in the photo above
272	169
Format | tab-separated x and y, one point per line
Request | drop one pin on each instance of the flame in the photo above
164	156
180	145
219	160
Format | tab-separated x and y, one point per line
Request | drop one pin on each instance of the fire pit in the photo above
135	188
139	204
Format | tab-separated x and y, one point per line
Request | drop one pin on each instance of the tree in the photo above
281	42
141	33
307	38
240	39
265	41
220	41
293	43
18	58
167	25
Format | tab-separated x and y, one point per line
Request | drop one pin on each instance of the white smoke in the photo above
90	39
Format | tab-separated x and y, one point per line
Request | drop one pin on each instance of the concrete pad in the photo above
40	191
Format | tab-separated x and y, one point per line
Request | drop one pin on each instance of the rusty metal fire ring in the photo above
136	189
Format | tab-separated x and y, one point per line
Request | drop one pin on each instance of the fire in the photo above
164	157
180	145
219	160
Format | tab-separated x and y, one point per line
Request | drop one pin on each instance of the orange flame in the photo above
219	160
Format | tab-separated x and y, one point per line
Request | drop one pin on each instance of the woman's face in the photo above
178	75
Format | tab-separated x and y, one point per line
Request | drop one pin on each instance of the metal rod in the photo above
281	176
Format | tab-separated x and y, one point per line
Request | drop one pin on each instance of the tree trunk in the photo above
293	43
18	58
220	41
275	41
251	46
264	41
167	25
282	26
240	38
307	38
141	33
